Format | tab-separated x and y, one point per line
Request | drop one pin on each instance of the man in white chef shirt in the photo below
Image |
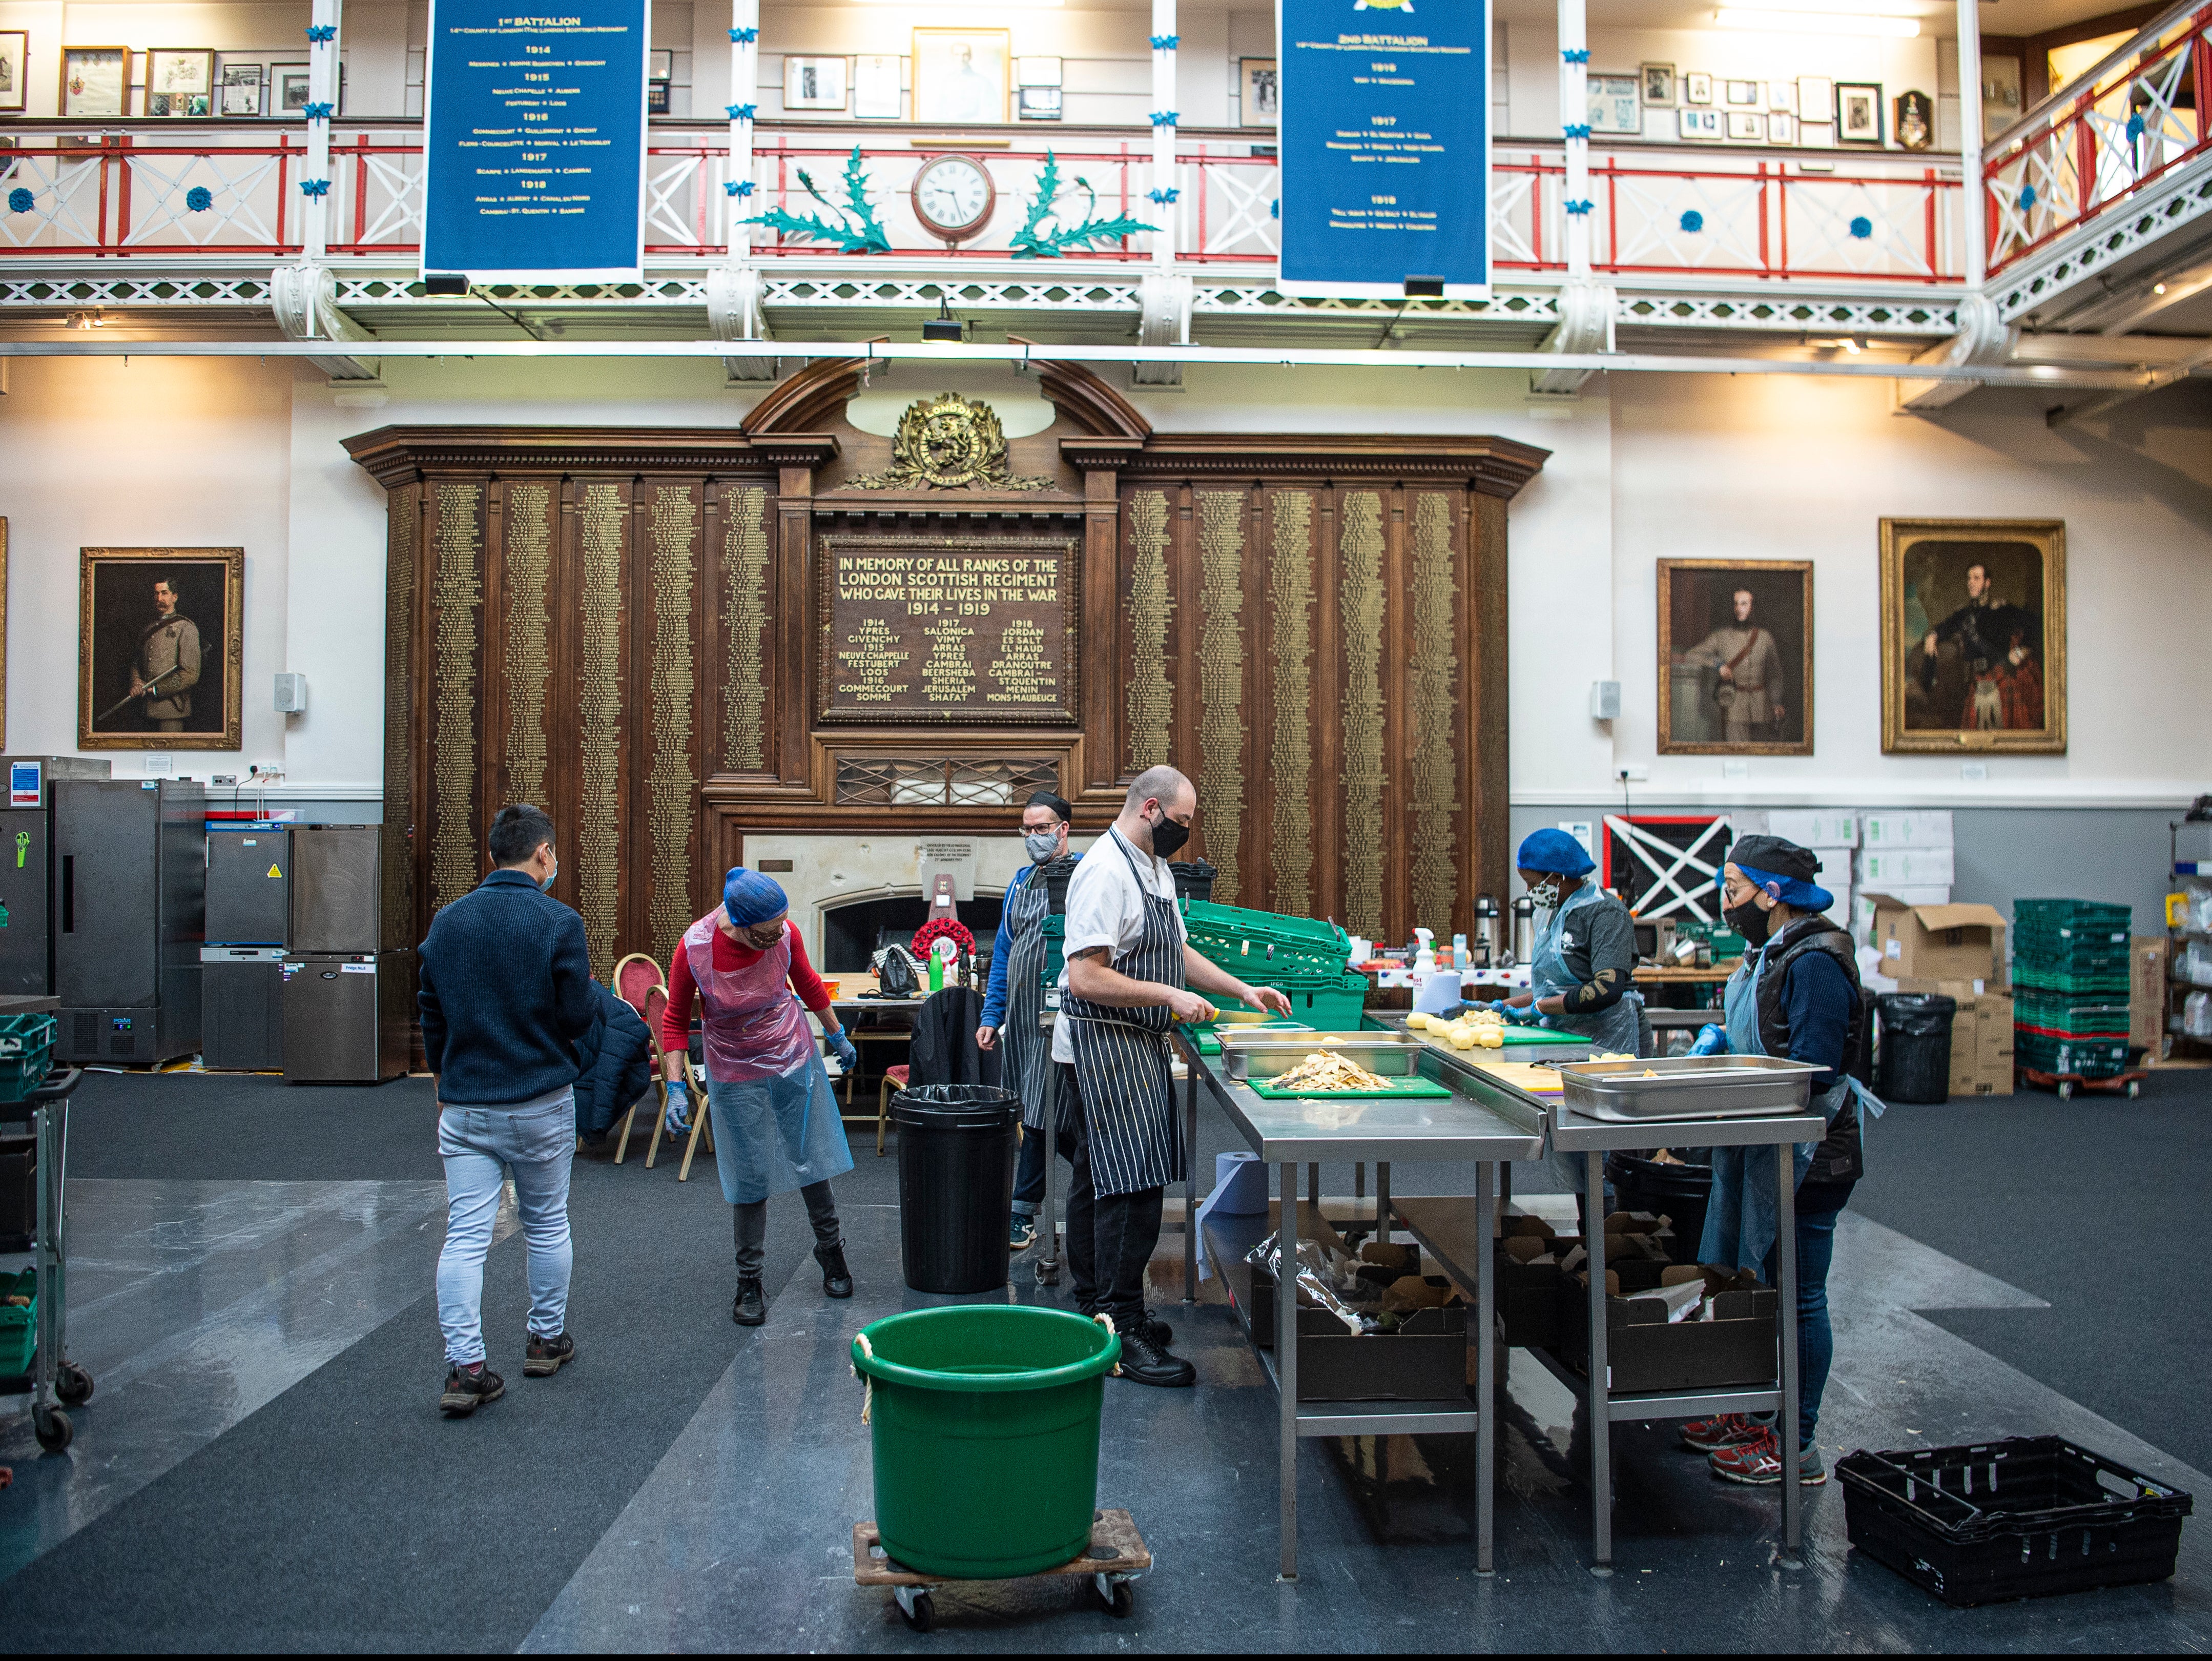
1129	975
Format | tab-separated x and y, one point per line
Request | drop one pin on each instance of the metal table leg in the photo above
1286	1370
1383	1201
1313	1186
1505	1183
1600	1417
1785	1421
1191	1244
1485	1360
1048	1247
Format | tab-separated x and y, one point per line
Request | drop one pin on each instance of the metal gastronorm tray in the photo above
1261	1053
1688	1087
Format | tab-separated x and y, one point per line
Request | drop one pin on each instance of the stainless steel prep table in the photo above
1289	1133
1566	1132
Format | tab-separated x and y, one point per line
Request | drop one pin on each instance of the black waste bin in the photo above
1193	878
1681	1192
1057	873
957	1144
1914	1061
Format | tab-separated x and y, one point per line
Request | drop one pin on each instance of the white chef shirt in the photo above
1106	907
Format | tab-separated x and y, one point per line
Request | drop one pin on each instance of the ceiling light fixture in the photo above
1816	22
2158	287
91	319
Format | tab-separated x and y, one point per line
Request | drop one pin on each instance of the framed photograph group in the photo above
159	646
1735	657
1973	636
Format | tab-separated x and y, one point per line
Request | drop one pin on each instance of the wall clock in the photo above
953	197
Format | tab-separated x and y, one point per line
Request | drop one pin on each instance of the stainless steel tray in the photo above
1263	1054
1686	1087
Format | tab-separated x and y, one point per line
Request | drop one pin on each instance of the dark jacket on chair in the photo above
615	1057
945	1049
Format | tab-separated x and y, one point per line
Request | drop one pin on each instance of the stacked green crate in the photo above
2070	986
1308	959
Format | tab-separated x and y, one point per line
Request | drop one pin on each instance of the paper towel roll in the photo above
1240	1185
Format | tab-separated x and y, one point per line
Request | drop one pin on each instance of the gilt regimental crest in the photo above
949	443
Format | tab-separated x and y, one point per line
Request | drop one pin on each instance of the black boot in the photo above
837	1279
750	1308
1146	1360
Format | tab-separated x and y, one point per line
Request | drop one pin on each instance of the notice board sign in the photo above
1384	125
956	628
534	140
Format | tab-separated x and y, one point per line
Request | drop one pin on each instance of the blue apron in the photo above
1617	1029
776	1134
1743	1217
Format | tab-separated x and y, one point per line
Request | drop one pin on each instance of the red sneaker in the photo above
1759	1462
1724	1431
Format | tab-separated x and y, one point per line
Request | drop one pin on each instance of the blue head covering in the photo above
750	898
1554	851
1793	892
1783	868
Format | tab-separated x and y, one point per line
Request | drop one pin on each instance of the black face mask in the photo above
1749	920
1168	837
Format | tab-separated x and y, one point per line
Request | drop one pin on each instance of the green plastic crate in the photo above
2029	975
27	1054
2088	1015
2071	914
19	1324
1296	953
1326	1009
2089	1058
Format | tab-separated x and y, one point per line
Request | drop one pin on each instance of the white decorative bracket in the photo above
1983	337
1164	321
1588	311
733	313
304	296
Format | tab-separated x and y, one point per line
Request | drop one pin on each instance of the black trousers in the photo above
1110	1236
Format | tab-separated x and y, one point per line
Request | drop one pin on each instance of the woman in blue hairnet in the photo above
775	1123
1585	953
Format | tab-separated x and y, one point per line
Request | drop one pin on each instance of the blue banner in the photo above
1384	122
534	140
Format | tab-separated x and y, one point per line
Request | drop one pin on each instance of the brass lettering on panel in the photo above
599	517
456	595
1360	606
1221	656
671	785
745	617
1151	694
948	628
529	564
399	874
1291	590
1432	742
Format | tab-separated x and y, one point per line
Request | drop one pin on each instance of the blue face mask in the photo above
546	887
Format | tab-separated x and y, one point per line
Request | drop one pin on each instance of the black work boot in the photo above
1146	1360
837	1279
1160	1332
750	1308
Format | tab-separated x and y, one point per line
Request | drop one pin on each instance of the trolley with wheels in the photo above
1115	1555
53	1382
2129	1083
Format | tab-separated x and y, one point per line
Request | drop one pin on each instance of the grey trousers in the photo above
750	1223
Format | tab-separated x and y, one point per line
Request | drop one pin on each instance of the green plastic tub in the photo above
19	1323
986	1433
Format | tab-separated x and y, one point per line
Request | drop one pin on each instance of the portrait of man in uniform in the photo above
1973	636
1735	657
158	648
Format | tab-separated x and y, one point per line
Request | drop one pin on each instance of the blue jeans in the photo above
537	1142
1816	1338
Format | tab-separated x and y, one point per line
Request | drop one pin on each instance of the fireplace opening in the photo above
853	934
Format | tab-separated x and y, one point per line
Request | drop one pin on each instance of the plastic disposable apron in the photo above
1617	1029
1121	1061
1029	1050
775	1124
1744	1215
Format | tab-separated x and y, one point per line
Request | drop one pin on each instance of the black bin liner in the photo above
1681	1192
1914	1062
957	1146
1193	878
1056	873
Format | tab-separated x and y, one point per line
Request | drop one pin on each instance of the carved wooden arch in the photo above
803	402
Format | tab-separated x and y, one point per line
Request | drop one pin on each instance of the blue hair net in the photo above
750	898
1554	851
1793	892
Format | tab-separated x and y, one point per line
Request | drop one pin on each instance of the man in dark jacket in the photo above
615	1064
505	992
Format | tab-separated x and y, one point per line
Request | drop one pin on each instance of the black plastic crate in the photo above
2023	1516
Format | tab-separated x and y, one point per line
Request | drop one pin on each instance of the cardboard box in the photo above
1890	868
1938	942
1813	828
1930	828
2147	956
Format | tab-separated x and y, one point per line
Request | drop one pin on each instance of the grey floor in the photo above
263	1466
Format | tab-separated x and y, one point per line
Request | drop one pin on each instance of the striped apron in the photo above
1029	1049
1121	1063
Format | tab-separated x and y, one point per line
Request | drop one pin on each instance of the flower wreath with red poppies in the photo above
942	929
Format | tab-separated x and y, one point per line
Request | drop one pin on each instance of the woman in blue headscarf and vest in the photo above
775	1123
1796	993
1585	953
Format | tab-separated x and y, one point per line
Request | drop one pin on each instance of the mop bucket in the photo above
985	1422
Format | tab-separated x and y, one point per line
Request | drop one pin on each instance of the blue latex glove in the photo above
676	1117
1712	1040
848	1056
1525	1015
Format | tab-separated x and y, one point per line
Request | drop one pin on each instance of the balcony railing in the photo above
2094	148
145	189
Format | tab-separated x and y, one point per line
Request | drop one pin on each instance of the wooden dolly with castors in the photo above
2129	1083
1116	1555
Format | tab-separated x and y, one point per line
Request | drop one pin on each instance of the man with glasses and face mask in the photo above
1015	1001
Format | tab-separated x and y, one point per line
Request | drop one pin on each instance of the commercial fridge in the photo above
130	898
242	1008
249	885
337	890
346	1015
26	870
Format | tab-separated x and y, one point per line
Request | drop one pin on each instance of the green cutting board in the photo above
1399	1087
1517	1035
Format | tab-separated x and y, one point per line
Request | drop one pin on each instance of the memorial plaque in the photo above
973	629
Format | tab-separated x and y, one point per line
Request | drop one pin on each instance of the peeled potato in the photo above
1491	1038
1462	1040
1417	1022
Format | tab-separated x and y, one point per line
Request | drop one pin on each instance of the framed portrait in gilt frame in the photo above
1973	636
160	646
1735	657
962	76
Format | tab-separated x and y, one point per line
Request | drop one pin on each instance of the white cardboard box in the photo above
1889	868
1930	828
1816	828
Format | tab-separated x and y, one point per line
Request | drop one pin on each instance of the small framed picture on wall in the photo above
814	84
1697	126
1697	88
179	82
1257	105
1816	98
14	64
242	90
1781	127
1915	127
1858	111
1615	106
1658	85
878	93
1745	126
95	79
963	76
291	84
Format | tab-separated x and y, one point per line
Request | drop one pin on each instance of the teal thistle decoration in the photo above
857	229
1042	237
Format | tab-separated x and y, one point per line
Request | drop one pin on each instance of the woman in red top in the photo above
775	1124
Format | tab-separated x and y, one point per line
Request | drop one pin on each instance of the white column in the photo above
1574	124
1166	213
322	104
1972	197
744	89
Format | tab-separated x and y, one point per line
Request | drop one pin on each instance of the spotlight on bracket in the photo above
1424	287
450	284
943	327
